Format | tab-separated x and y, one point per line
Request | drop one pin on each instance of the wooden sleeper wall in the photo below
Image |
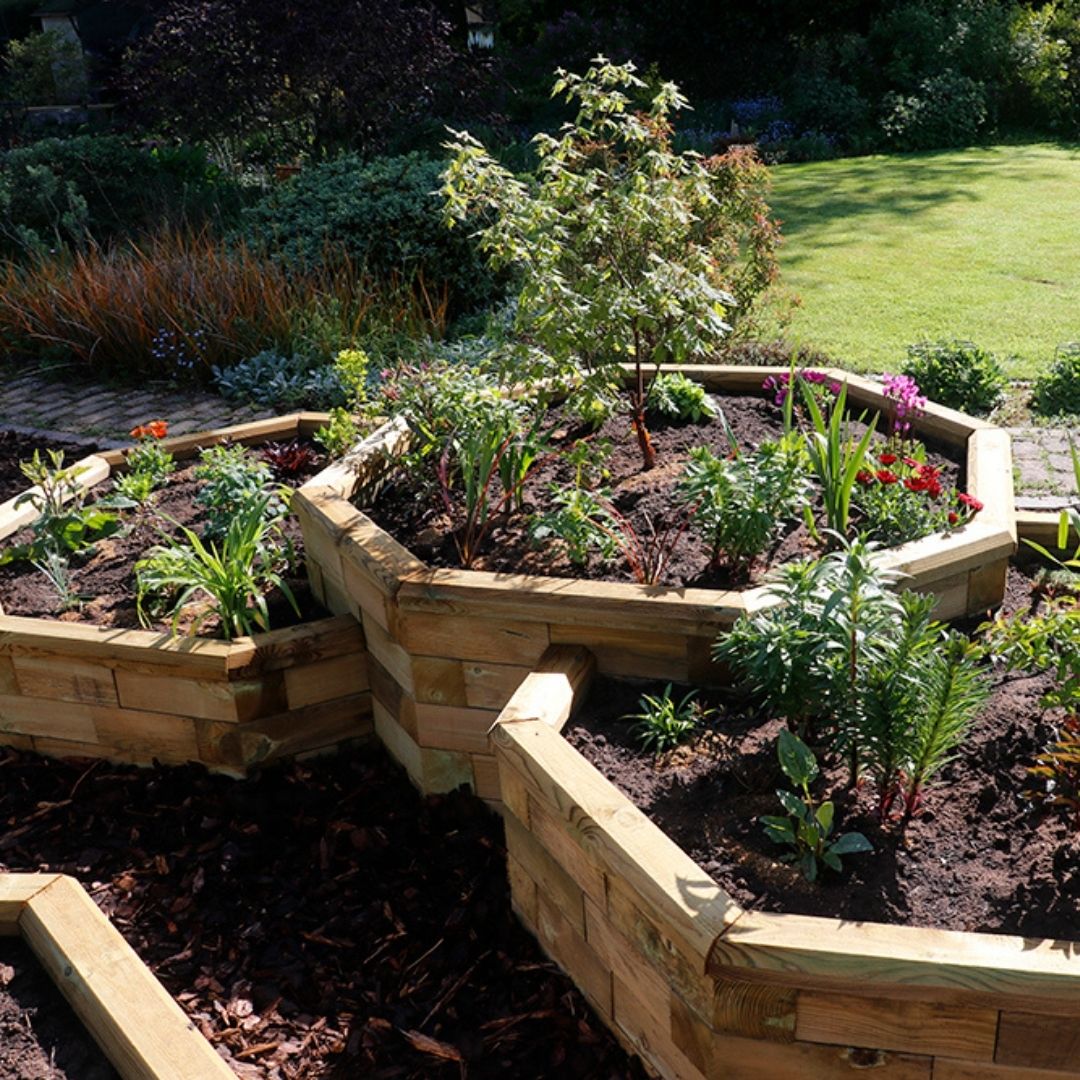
699	988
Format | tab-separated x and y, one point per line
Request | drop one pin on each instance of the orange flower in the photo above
156	429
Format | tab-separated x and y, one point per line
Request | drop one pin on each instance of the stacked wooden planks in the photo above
700	988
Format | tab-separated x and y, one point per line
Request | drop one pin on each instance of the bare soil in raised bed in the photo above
320	919
977	858
16	448
646	498
105	576
41	1038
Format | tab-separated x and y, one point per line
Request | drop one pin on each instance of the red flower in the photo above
969	501
887	459
887	477
865	477
912	463
954	517
156	429
913	483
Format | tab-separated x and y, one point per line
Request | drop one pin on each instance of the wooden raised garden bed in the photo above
139	696
140	1029
448	647
699	987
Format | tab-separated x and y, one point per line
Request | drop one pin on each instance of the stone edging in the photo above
700	988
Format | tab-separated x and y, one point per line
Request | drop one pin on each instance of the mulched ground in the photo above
647	499
318	920
978	858
16	448
40	1036
105	576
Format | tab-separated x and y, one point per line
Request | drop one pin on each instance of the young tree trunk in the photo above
637	401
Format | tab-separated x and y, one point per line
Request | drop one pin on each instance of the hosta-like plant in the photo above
808	826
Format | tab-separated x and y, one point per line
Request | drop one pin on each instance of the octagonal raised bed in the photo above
448	647
699	987
70	689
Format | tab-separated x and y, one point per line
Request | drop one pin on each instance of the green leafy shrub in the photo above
43	69
232	479
1057	390
385	215
663	722
808	824
626	249
149	465
741	502
947	109
96	187
958	374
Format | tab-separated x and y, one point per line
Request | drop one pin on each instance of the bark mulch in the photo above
318	920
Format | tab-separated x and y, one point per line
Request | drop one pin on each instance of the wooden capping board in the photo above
617	837
89	471
904	962
932	557
141	1030
1042	527
550	691
16	890
187	446
201	657
345	477
990	477
568	601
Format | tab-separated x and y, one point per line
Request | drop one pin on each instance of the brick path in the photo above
106	414
1041	461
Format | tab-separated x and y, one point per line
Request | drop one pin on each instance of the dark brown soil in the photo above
16	447
105	576
318	920
978	857
41	1038
646	499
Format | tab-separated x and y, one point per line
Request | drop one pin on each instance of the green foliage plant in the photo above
836	457
741	501
808	825
55	567
803	656
43	69
232	576
339	434
233	478
676	396
274	380
65	525
383	214
1057	390
149	465
916	705
621	244
472	460
663	723
958	374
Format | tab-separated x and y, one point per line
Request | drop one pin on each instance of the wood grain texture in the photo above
900	962
552	691
883	1024
142	1031
948	1069
1037	1041
990	476
15	891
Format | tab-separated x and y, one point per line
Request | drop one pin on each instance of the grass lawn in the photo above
981	243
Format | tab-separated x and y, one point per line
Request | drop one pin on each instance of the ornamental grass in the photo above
178	303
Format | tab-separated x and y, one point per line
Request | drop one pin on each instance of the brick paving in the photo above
1042	465
106	414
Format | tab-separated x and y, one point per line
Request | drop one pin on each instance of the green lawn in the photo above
981	243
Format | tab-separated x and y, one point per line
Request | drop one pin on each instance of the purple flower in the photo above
903	392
